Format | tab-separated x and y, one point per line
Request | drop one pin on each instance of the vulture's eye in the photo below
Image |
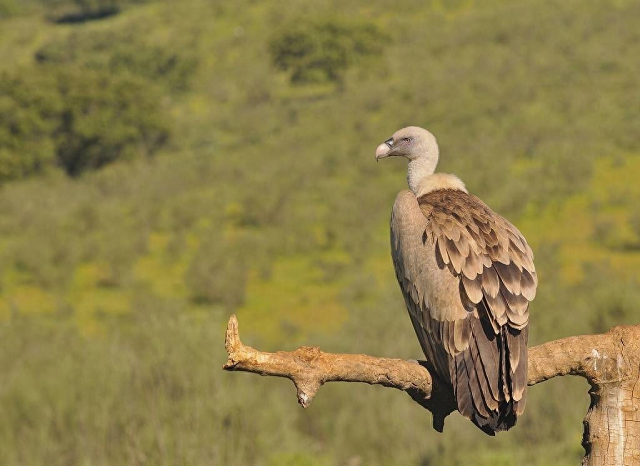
407	140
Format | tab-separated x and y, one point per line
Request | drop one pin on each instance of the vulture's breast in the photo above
433	288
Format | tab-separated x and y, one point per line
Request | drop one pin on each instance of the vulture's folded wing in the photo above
467	276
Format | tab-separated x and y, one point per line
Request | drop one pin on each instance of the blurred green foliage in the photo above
168	62
218	272
315	51
75	118
116	284
66	11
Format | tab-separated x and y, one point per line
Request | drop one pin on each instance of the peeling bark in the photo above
610	362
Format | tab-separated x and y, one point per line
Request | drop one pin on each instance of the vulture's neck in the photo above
419	169
423	180
438	181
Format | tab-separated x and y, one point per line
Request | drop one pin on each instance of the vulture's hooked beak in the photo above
384	149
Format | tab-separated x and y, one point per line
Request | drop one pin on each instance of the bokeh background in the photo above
164	164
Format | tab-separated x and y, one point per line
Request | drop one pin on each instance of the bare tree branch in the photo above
609	361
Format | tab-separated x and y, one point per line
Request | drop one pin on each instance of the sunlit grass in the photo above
296	293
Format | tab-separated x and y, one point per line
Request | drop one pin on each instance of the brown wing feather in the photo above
467	276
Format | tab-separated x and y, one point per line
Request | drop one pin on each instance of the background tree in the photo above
77	119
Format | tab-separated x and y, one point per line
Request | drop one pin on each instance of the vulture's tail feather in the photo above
489	382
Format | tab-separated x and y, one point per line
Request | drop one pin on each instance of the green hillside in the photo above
172	163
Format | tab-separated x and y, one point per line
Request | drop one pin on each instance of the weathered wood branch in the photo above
610	362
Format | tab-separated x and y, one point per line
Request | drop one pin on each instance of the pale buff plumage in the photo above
467	276
439	181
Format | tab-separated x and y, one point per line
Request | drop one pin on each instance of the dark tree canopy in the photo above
322	50
77	119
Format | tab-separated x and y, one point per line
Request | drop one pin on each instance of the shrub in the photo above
321	51
171	62
80	11
77	119
28	111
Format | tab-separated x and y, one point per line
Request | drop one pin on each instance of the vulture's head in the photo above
411	142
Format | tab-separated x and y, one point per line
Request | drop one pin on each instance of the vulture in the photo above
467	278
